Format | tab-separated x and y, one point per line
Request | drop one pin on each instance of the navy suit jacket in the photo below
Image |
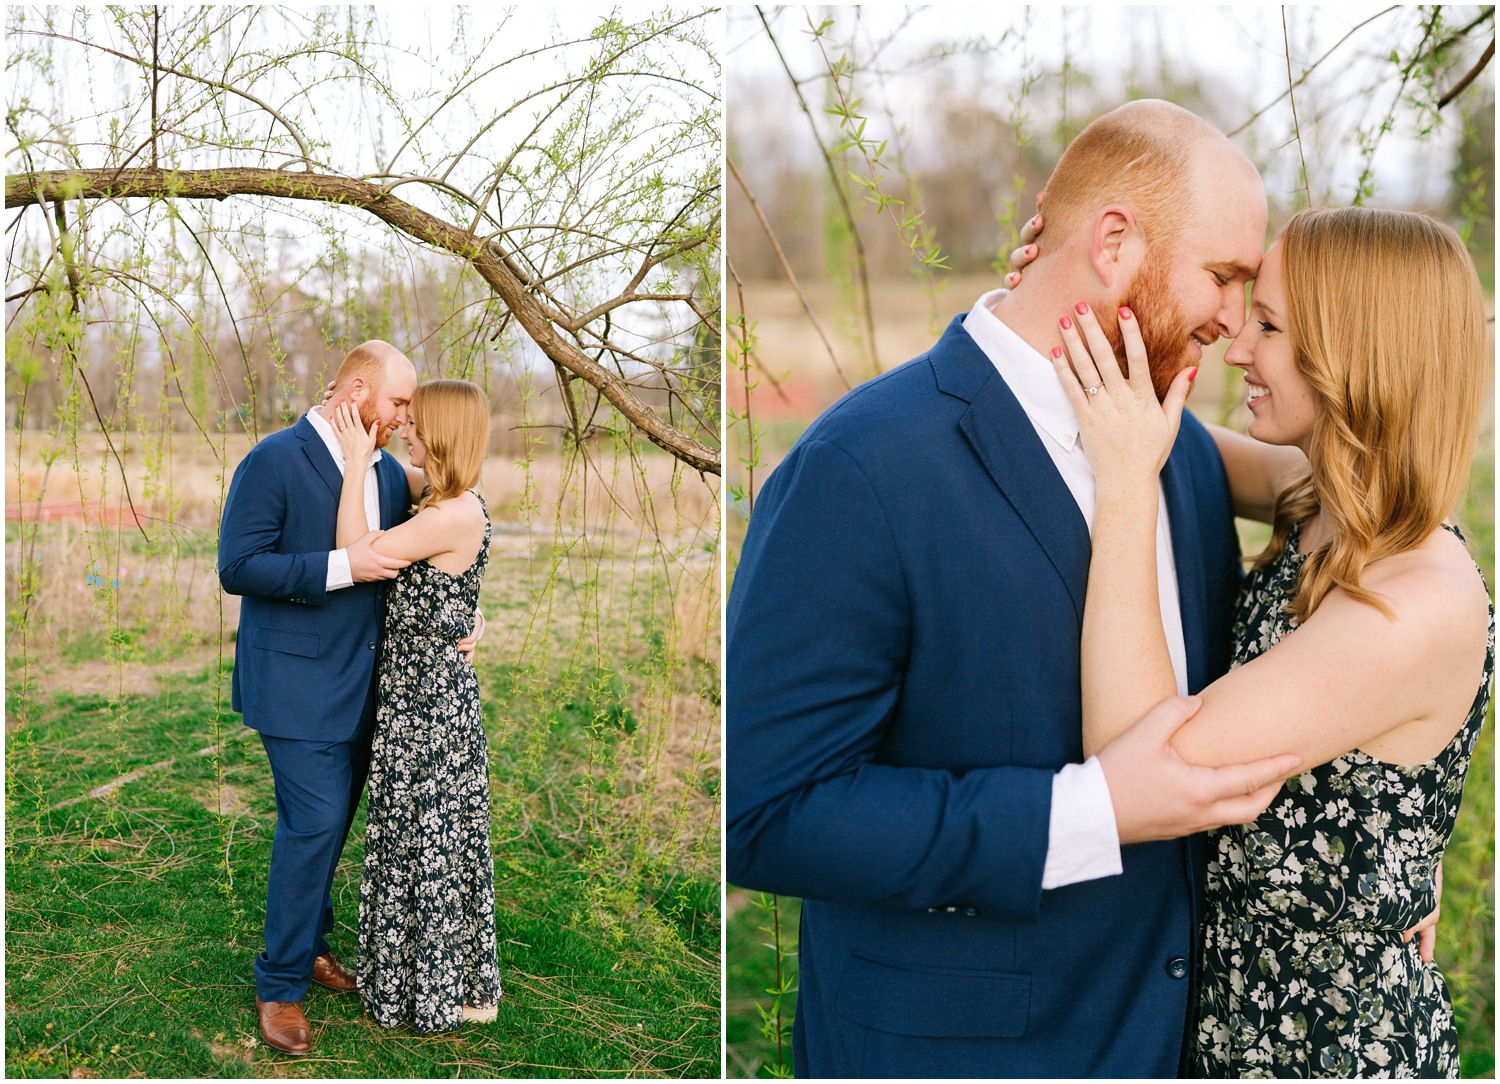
304	656
903	682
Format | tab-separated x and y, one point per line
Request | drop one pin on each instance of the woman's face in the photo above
417	451
1282	404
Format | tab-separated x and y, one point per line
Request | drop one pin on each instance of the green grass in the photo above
130	939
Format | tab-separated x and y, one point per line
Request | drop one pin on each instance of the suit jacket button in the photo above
1177	967
971	912
372	645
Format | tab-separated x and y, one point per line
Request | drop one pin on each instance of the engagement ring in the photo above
1095	389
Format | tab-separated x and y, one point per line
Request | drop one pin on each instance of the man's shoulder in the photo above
284	440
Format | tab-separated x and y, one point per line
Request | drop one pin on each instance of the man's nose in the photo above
1231	316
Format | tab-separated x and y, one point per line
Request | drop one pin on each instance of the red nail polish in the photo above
1080	308
1057	351
1193	374
1124	312
1030	250
1067	324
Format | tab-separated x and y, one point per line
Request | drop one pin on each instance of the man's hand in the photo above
1158	795
467	645
1426	931
366	566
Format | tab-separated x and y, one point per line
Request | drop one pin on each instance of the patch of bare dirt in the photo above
100	677
228	800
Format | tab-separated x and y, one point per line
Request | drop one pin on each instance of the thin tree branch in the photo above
1462	84
861	268
1263	110
1296	127
786	270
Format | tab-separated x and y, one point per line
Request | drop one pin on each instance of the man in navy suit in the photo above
304	673
904	737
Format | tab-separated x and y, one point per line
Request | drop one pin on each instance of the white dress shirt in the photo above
338	560
1083	843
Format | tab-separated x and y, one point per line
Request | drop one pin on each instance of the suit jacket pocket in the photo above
288	643
937	1002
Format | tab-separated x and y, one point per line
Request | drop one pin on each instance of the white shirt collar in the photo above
324	429
1030	376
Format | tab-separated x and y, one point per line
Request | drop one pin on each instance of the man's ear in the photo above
1117	246
358	390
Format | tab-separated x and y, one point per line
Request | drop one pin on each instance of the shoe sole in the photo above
283	1049
336	989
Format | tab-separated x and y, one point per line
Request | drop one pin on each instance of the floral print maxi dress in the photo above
427	896
1304	970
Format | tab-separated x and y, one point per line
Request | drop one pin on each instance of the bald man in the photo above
304	672
903	712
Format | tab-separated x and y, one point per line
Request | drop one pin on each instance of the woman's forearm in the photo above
1126	669
352	524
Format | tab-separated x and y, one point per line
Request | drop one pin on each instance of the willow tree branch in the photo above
487	259
1459	87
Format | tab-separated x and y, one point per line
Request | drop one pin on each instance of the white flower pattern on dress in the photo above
1304	970
427	895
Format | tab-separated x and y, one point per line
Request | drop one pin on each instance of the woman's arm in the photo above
1257	472
358	445
1350	677
430	533
1128	435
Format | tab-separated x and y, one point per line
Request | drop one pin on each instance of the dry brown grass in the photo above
171	608
184	482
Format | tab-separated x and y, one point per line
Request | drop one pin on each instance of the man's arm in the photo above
254	517
254	514
818	627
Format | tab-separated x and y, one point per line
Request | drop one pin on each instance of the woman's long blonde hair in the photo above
452	420
1388	324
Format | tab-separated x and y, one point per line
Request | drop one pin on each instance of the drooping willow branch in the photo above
487	258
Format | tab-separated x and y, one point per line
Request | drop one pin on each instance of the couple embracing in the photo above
355	658
994	669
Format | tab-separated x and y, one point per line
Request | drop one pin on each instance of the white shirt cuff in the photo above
1083	843
340	576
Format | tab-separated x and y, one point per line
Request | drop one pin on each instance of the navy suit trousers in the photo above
318	784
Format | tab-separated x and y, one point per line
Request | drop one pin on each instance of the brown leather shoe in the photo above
283	1027
330	973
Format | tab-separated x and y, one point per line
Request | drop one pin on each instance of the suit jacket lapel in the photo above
1187	553
391	495
1006	443
318	455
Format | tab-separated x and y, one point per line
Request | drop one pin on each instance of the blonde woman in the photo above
427	900
1364	636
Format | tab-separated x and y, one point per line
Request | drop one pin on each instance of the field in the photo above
794	380
140	812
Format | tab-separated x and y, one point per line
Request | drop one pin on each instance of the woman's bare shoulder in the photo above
1436	588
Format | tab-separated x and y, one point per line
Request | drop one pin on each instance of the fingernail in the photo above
1067	324
1057	351
1192	374
1012	278
1080	308
1036	220
1031	250
1124	312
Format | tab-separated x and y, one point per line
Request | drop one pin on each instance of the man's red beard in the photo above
367	418
1163	328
